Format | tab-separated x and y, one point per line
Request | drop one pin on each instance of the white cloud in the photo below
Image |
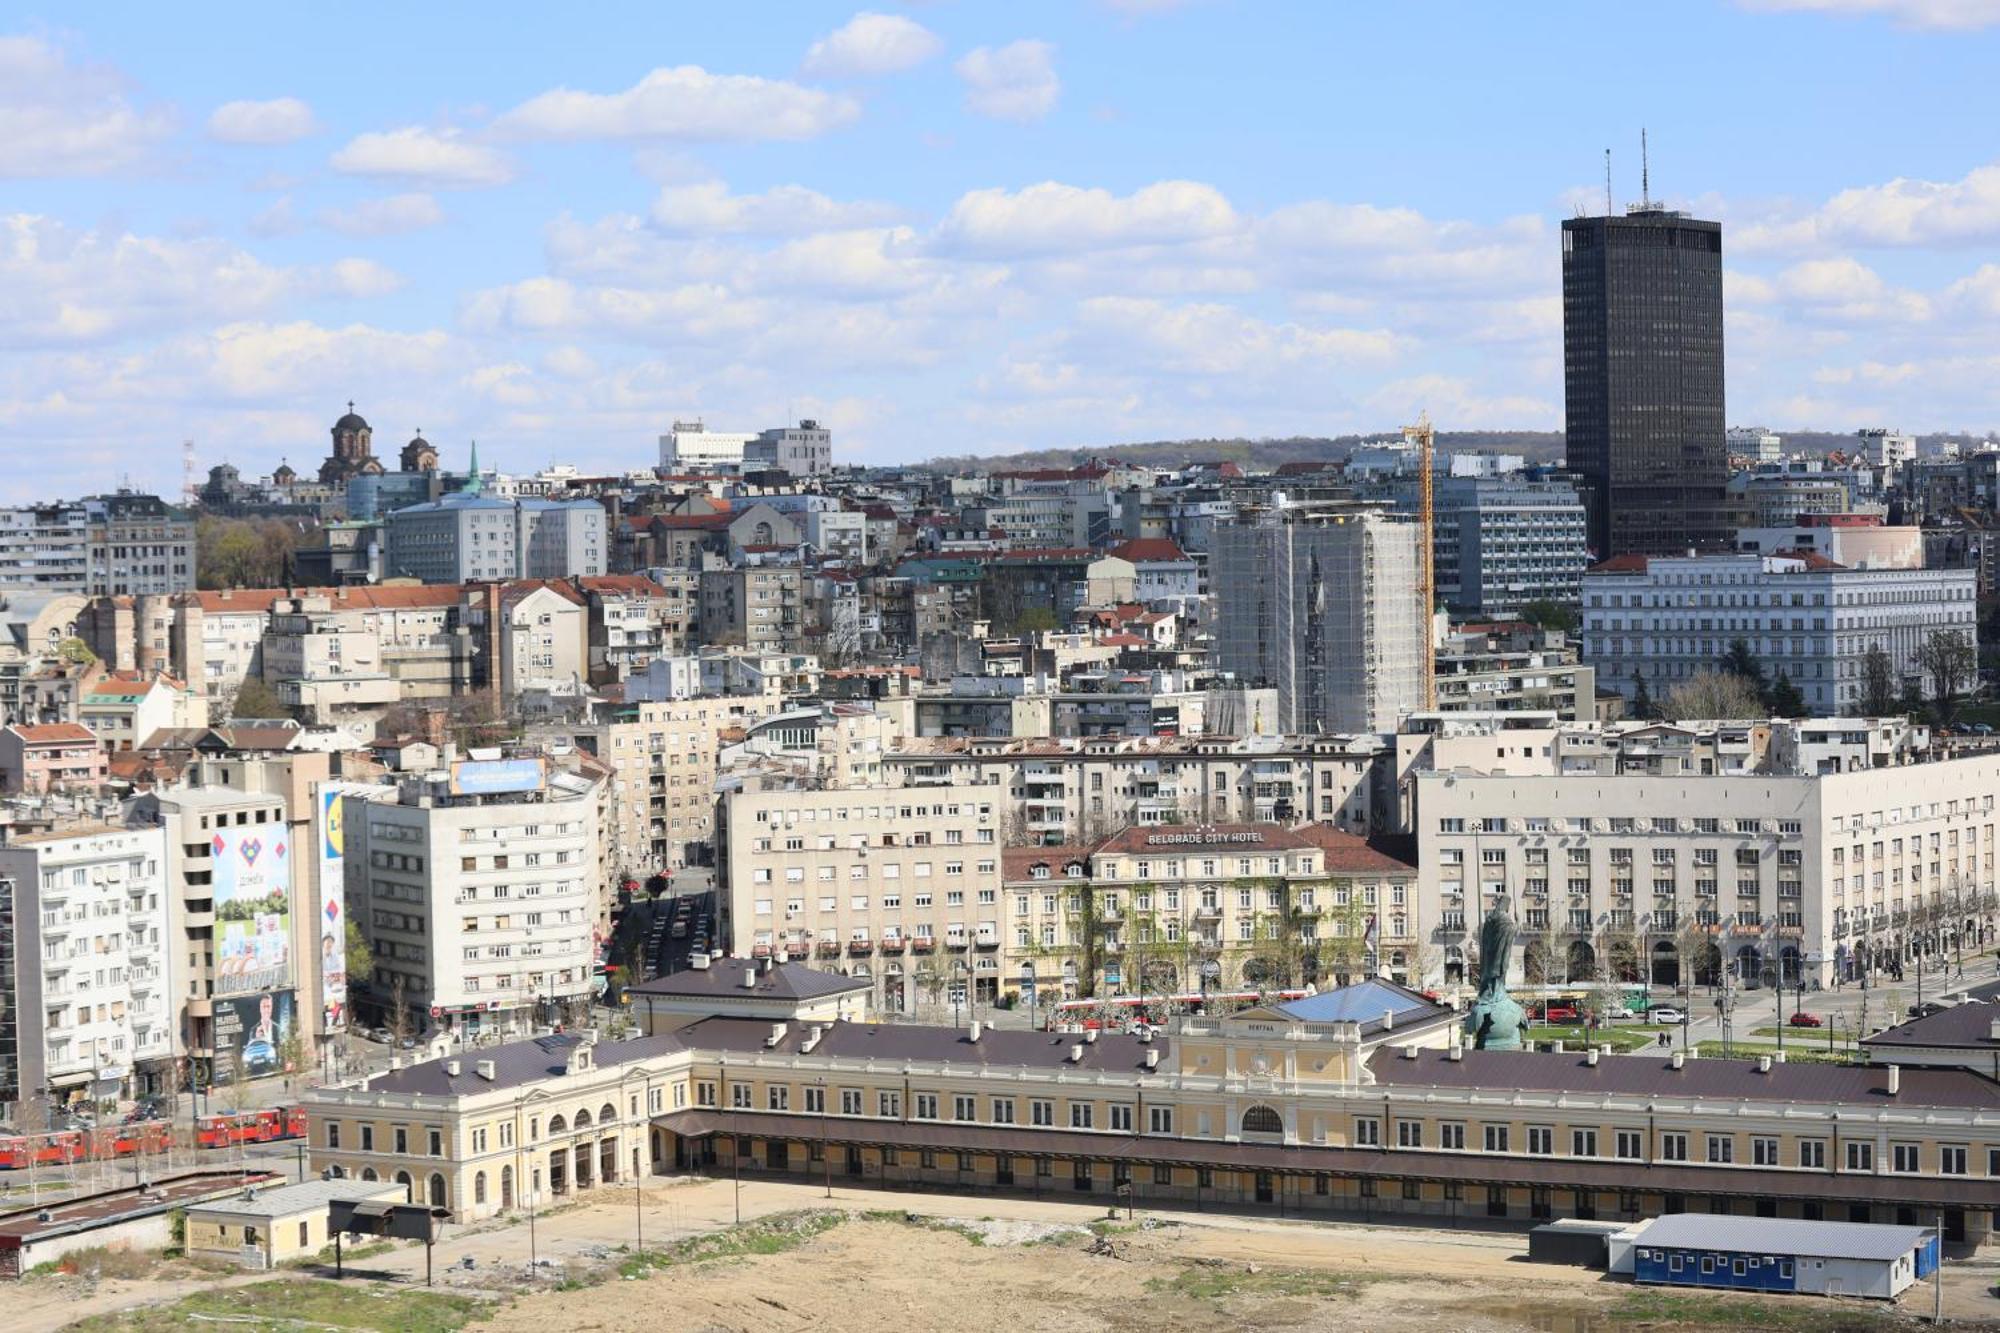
364	278
708	208
1901	212
1941	15
280	120
684	102
63	119
1848	291
871	44
1013	82
1053	218
1214	339
436	157
387	215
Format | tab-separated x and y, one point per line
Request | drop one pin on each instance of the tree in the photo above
1712	694
360	959
401	1023
244	553
1785	699
1643	706
1036	619
255	698
1546	613
1949	660
1878	683
1741	663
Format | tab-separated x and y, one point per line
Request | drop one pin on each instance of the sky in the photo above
950	227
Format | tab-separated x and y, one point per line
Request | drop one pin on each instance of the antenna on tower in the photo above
1645	172
188	493
1607	183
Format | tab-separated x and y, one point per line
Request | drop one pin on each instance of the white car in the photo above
1664	1014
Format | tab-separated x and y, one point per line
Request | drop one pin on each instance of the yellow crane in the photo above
1424	438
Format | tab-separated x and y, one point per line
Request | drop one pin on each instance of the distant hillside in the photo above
1255	455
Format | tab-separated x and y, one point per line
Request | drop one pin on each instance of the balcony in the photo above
828	949
1208	912
892	944
922	944
986	943
798	950
955	943
860	948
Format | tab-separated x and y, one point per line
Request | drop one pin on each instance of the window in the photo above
927	1104
402	1141
1409	1133
1721	1148
889	1105
1860	1156
1951	1161
1673	1147
1496	1138
1630	1146
1121	1118
1080	1114
850	1101
1583	1143
1541	1140
1452	1136
778	1097
1368	1133
1905	1156
333	1133
1812	1154
816	1101
1041	1113
1763	1151
962	1108
1160	1120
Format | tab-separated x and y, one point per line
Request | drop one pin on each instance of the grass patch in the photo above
1618	1038
289	1305
1700	1310
770	1235
1798	1055
1805	1036
1219	1282
901	1218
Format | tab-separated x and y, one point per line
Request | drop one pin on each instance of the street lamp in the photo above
959	992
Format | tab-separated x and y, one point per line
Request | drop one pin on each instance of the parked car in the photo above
1665	1013
1982	729
1927	1008
1802	1019
1560	1013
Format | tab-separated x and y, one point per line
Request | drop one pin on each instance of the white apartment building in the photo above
1670	618
1625	874
1884	447
1070	790
484	907
692	447
1755	443
805	450
900	888
83	967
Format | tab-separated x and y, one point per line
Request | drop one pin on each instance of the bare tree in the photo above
1949	659
1878	683
1712	694
401	1023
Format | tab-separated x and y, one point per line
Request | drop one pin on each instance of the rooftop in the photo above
1966	1025
515	1064
996	1048
724	976
1782	1235
309	1196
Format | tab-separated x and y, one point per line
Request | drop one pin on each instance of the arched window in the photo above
1262	1120
437	1190
557	1124
506	1187
583	1120
479	1187
607	1114
403	1179
368	1173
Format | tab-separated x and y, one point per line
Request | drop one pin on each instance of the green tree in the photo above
244	553
1643	706
1878	682
1036	620
255	698
1785	699
1546	613
360	959
1741	663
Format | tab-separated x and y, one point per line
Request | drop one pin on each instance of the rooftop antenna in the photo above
1645	172
1607	183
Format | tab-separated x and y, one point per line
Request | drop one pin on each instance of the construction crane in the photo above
1424	438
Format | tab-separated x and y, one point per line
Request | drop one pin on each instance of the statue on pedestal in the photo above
1496	1018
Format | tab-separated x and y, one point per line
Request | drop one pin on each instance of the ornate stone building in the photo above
353	452
419	455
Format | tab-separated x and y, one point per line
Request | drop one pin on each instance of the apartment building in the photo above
805	450
478	895
1358	1102
83	968
899	888
470	536
1826	872
760	609
636	619
544	637
125	543
1666	619
1177	908
1059	791
1505	541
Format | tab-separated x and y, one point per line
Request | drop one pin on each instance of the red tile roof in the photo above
54	733
1620	564
259	601
1018	863
1149	548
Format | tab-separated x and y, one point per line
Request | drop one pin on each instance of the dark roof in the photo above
724	976
1654	1076
1379	1163
514	1064
1967	1025
997	1049
352	421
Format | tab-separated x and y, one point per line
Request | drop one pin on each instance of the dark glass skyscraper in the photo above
1642	380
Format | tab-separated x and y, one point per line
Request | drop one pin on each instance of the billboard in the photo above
332	909
493	777
253	1035
251	874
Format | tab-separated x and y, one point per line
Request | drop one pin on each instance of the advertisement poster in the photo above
253	1034
252	879
332	911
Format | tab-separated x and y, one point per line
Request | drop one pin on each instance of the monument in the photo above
1495	1020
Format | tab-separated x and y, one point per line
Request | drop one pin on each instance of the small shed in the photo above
262	1228
1571	1240
1783	1255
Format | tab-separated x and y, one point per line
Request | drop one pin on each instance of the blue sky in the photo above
951	227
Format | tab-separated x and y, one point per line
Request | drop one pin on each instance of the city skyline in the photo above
946	231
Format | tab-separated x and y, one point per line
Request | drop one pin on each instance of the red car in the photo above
1561	1013
1804	1020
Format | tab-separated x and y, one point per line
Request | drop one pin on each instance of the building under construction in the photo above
1322	601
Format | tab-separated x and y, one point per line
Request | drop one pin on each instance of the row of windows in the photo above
1674	1146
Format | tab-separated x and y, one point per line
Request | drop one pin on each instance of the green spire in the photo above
473	485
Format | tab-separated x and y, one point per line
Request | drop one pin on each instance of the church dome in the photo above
352	421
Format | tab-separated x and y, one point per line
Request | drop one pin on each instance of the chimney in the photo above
810	1040
778	1031
1388	1019
1590	1057
1779	1057
1677	1059
1090	1035
976	1030
1146	1034
1454	1052
1153	1058
1993	1030
1076	1053
1409	1050
1763	1064
698	961
451	1068
750	977
486	1070
1895	1079
1556	1046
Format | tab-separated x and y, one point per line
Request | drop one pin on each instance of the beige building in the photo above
1624	874
482	911
1178	909
898	887
1359	1102
758	608
262	1228
544	638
